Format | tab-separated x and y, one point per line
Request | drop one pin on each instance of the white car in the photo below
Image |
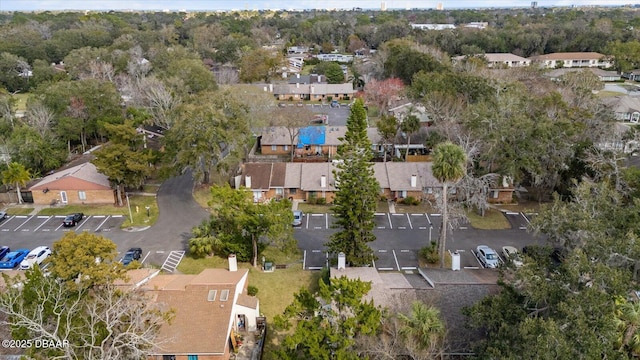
36	256
512	254
487	256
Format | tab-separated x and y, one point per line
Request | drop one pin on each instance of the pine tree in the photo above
358	189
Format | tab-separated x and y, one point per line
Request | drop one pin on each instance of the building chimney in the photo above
298	76
312	89
270	87
233	262
342	261
319	78
323	181
247	181
414	181
297	85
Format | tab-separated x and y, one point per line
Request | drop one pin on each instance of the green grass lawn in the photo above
314	209
492	220
423	207
202	195
19	211
275	289
21	101
138	210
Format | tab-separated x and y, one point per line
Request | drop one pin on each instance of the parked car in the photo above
3	215
512	255
335	104
130	255
13	259
73	219
487	256
297	217
4	251
35	257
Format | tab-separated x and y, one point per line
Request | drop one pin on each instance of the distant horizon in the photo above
225	5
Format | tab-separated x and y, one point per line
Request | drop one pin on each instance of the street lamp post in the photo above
129	206
148	210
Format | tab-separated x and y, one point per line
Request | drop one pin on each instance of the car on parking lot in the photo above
73	219
335	104
35	257
3	215
131	255
511	254
13	259
4	251
487	256
297	217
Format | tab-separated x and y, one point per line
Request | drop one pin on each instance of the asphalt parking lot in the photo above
35	223
399	237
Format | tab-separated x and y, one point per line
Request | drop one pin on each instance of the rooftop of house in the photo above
622	104
203	315
85	171
569	56
555	73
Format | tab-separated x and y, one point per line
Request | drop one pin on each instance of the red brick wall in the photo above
92	197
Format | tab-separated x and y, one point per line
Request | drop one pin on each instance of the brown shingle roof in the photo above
260	174
200	326
278	173
248	301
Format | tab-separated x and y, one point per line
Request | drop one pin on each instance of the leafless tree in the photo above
98	69
445	112
105	322
227	75
292	119
158	101
40	118
475	190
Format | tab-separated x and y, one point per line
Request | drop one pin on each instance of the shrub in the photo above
321	201
410	200
383	197
313	199
430	253
252	290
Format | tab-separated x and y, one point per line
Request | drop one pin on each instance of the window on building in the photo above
212	295
495	193
274	147
168	357
429	190
293	191
192	357
280	191
403	193
224	295
82	195
286	147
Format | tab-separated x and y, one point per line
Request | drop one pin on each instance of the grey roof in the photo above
293	175
313	89
400	173
277	135
333	133
86	171
556	73
622	104
501	57
569	56
311	174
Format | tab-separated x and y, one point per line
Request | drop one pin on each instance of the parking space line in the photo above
145	257
396	259
390	224
512	213
102	223
116	216
326	221
84	222
409	220
44	222
20	217
307	227
304	259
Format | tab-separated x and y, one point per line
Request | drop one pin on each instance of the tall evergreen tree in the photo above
355	201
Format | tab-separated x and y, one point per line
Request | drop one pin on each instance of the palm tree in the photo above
410	125
357	81
628	321
449	166
16	174
423	326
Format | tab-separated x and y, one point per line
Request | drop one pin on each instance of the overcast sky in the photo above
28	5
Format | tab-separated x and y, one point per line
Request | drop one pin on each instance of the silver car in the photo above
487	256
297	217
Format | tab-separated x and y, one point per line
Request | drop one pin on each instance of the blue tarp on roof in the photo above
311	135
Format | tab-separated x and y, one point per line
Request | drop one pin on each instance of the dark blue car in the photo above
4	251
13	259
